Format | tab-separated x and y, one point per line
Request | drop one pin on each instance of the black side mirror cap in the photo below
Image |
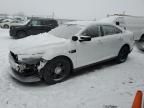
74	38
117	23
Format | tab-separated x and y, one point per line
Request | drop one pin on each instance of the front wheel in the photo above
57	70
123	54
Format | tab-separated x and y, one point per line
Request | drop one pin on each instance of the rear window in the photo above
48	22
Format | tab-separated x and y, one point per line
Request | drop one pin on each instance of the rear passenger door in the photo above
111	41
46	25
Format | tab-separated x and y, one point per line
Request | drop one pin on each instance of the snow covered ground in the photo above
94	87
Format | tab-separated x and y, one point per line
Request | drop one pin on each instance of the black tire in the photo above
123	54
6	26
57	70
142	39
21	34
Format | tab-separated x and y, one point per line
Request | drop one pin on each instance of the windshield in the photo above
66	31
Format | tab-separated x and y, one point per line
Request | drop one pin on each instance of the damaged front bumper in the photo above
24	72
21	78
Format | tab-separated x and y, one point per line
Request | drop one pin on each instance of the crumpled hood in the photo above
35	44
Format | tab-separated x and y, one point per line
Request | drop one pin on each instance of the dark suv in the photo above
33	27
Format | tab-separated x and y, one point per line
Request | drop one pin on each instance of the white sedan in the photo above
52	56
8	23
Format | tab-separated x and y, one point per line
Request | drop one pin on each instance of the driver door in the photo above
89	52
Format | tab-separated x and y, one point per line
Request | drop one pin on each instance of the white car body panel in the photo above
88	52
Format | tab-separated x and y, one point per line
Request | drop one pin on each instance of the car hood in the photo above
17	24
36	44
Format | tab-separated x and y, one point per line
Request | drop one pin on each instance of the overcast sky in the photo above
74	9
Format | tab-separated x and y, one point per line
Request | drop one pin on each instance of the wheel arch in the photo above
66	57
126	45
6	25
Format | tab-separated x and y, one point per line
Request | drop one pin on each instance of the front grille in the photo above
25	74
29	72
15	57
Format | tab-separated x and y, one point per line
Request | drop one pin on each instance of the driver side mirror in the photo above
85	38
117	23
74	38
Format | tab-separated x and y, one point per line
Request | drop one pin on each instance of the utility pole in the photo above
53	15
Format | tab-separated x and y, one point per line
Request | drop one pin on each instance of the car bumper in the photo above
21	74
12	33
27	79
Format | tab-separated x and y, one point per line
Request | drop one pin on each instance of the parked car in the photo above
5	23
53	56
140	44
17	23
33	27
1	19
134	24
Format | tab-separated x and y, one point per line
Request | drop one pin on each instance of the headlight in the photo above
42	64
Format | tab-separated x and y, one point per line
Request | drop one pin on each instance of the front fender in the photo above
60	52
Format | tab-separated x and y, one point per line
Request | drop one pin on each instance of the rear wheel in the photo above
123	54
57	70
6	26
21	34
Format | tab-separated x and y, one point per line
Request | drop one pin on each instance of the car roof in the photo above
88	23
46	19
110	19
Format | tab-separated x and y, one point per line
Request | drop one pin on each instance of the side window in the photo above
117	31
110	30
92	31
44	23
36	23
